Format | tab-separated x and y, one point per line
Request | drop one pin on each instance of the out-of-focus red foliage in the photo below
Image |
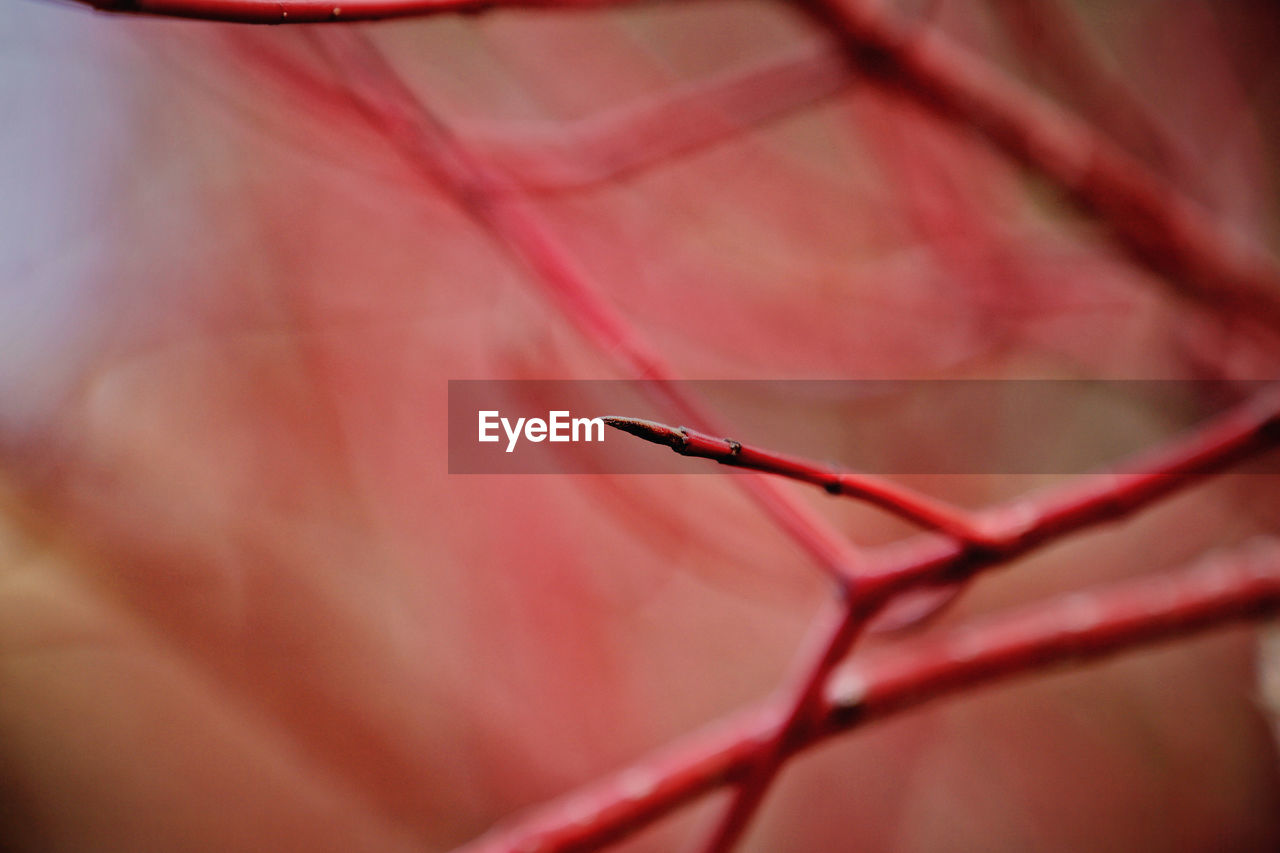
244	607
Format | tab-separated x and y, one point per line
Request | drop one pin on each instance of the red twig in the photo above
878	491
1170	234
1167	232
316	11
1051	40
801	711
515	225
995	537
1067	630
1035	520
1015	527
546	157
1236	584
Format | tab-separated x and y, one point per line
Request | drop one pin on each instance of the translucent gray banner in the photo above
882	427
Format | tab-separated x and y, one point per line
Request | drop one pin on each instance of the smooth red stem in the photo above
1035	520
802	706
315	11
618	142
1053	44
1015	527
1069	630
1167	232
1241	583
1010	531
514	223
878	491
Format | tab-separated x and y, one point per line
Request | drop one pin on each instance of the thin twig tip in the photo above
648	430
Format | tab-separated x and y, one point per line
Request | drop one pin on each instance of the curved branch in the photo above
1167	232
1006	531
515	225
547	157
1068	630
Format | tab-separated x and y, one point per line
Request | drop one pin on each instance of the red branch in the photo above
1051	40
515	225
555	156
1167	232
1240	583
1068	630
508	217
1035	520
317	11
903	502
993	538
801	709
1015	527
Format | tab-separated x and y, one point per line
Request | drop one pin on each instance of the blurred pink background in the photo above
244	607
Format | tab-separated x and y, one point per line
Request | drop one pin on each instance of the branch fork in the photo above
1160	228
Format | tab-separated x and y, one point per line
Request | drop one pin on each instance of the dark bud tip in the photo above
653	431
